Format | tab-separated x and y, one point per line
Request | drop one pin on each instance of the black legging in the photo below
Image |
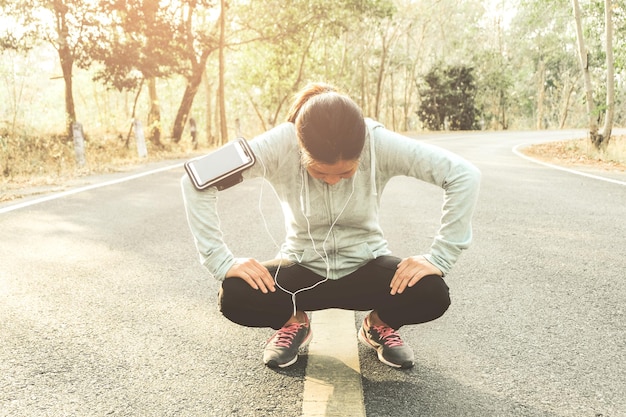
365	289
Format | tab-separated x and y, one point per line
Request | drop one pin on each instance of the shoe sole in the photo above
273	364
379	351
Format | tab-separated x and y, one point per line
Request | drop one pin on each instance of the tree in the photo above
253	57
150	39
610	74
307	44
432	111
495	84
199	35
138	47
543	71
62	23
389	33
153	38
460	100
448	99
220	90
599	140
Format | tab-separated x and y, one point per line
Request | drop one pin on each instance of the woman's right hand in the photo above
255	274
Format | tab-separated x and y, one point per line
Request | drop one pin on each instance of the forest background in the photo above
196	73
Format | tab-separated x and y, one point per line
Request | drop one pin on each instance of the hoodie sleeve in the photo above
204	223
459	179
201	206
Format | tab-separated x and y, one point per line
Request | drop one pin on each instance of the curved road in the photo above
104	309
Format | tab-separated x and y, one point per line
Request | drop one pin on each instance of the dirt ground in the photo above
575	154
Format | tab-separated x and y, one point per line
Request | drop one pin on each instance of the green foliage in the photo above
432	111
65	24
448	99
372	49
20	30
143	40
300	43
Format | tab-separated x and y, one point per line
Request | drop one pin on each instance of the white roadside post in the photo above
142	151
79	144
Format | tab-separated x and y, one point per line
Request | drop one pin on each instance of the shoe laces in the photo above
389	336
284	336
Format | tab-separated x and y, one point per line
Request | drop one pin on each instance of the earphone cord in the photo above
299	259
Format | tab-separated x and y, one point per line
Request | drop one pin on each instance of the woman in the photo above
329	166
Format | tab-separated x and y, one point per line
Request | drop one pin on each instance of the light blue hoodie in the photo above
351	204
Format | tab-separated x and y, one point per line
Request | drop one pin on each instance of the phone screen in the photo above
219	163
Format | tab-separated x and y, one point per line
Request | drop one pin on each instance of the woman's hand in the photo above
255	274
410	271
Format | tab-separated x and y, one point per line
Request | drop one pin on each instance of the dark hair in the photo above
329	125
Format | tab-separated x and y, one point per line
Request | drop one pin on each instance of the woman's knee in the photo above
426	301
242	304
434	294
232	296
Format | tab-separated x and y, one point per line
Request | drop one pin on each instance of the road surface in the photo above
105	310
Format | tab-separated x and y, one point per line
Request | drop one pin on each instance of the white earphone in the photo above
324	257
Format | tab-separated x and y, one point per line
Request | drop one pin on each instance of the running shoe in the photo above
388	344
283	347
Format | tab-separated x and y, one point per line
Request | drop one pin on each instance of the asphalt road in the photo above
104	309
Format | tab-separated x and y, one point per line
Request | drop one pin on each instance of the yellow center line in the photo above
332	384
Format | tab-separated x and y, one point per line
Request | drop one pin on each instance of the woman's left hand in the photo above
410	271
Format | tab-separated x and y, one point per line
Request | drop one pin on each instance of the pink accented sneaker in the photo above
387	342
282	348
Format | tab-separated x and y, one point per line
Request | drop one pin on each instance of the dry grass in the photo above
580	152
29	165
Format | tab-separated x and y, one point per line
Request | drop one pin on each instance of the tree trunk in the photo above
392	100
258	112
568	89
388	40
216	119
134	112
298	79
154	116
610	76
380	77
193	84
209	109
67	64
541	94
503	120
362	84
221	93
584	65
408	86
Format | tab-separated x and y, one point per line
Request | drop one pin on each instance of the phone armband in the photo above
221	168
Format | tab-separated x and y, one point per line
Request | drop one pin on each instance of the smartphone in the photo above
221	168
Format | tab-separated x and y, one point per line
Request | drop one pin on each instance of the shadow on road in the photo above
423	391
